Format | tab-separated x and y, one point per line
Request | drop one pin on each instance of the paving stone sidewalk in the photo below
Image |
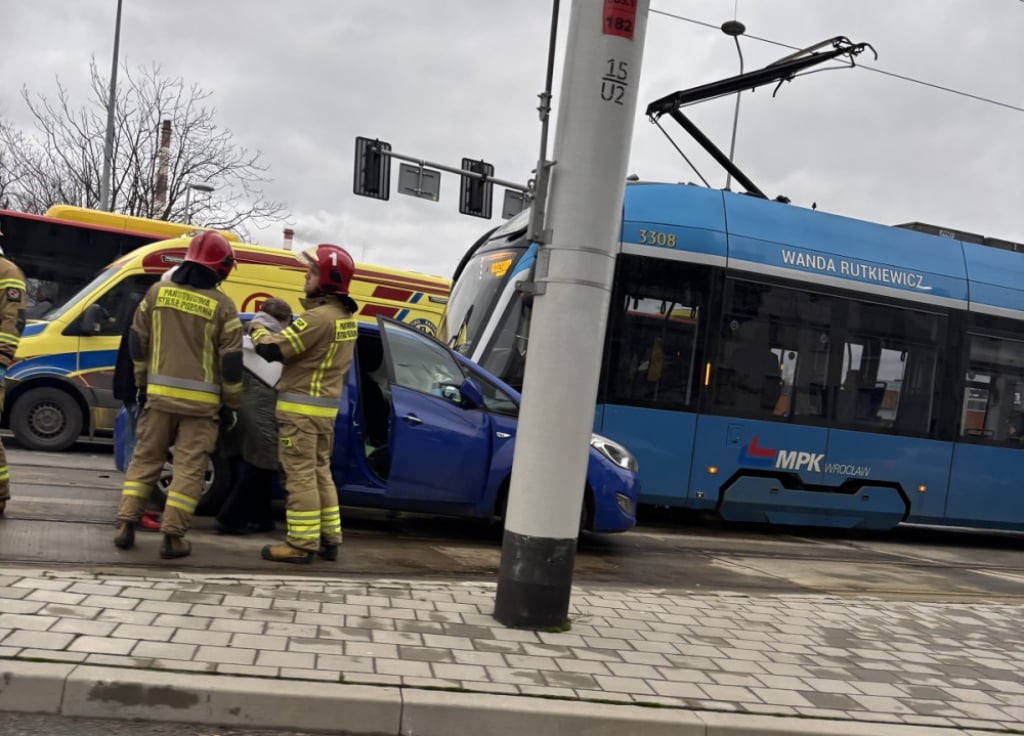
870	660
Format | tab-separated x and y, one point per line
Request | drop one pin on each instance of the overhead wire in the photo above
970	95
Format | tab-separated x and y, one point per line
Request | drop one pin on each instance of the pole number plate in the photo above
619	18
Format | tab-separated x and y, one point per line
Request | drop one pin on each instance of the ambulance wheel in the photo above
46	419
216	482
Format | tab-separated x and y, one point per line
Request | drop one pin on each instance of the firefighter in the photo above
12	322
316	350
186	348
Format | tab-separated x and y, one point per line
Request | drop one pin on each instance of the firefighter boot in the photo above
3	506
327	551
125	537
286	553
174	547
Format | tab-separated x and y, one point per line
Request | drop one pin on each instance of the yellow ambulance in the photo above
60	385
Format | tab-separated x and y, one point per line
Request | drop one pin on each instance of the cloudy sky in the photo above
445	79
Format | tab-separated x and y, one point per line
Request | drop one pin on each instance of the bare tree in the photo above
61	161
8	176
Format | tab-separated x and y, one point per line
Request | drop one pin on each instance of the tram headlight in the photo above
615	452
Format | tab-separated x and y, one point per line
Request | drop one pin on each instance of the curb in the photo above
90	691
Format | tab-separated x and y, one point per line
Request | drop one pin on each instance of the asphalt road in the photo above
63	506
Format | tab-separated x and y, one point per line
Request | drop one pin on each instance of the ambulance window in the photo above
117	306
78	296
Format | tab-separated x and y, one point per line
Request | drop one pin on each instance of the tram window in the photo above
655	332
889	366
775	352
993	408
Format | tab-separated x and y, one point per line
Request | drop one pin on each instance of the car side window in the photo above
496	400
421	364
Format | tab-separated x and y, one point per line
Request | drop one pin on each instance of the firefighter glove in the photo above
140	397
228	418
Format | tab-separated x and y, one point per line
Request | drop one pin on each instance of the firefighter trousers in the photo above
312	512
5	473
194	439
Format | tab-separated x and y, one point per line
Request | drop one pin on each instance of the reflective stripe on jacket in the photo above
184	337
12	310
316	350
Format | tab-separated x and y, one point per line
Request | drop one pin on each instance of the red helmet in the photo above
213	251
334	265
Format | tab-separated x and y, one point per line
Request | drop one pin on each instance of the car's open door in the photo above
440	443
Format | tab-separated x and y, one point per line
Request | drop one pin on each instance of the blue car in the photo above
422	428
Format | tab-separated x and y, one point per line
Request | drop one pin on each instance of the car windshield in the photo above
60	310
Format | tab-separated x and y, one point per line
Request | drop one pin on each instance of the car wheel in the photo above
500	511
47	419
586	512
216	482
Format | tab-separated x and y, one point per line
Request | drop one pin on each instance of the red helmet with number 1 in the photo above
334	267
212	250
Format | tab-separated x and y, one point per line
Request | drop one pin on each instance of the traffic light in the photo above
475	194
372	174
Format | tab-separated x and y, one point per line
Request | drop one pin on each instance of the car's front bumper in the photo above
616	493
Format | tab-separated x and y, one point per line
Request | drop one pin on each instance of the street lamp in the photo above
108	139
188	198
735	29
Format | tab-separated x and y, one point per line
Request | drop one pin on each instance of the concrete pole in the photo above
600	82
108	142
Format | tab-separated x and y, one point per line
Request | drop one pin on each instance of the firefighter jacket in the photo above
316	350
186	346
12	311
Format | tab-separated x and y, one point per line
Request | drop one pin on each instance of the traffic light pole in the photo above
600	83
461	172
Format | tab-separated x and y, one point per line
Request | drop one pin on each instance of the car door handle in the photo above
412	419
502	435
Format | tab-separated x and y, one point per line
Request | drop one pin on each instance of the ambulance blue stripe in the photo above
416	297
402	314
58	364
89	359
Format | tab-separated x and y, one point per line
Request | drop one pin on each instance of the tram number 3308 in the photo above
658	238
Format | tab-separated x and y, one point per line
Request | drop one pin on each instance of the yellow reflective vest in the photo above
12	311
185	337
317	351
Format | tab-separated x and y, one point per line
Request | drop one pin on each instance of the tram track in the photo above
60	517
753	581
599	549
893	560
884	557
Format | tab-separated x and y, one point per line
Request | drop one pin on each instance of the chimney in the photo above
289	234
163	156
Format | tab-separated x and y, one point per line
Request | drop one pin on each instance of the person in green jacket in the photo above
248	508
